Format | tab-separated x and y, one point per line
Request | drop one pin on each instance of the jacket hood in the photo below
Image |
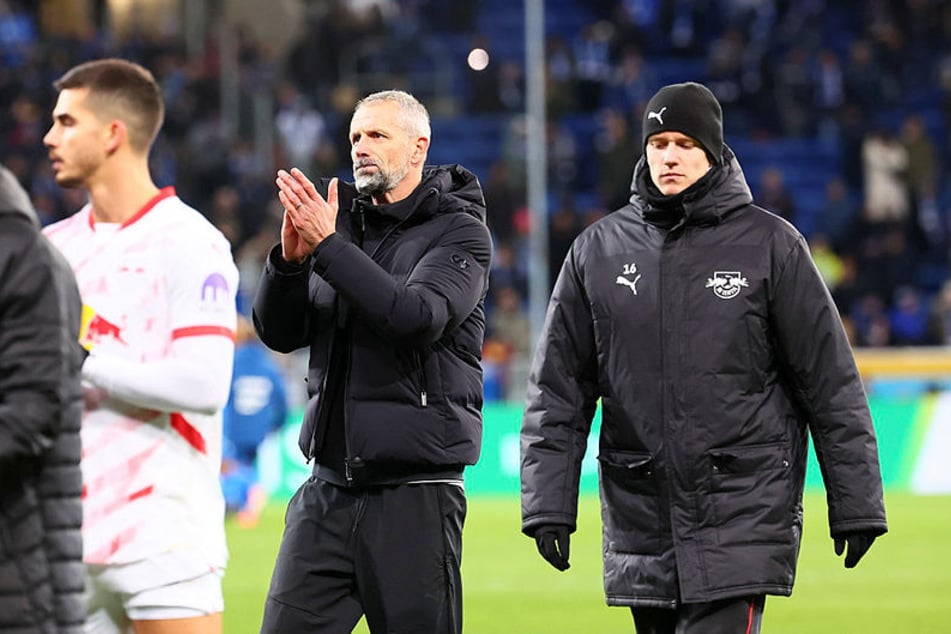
721	191
459	189
13	198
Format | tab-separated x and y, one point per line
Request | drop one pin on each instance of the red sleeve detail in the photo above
199	331
191	435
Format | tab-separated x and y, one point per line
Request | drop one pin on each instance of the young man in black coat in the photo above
701	323
384	280
41	568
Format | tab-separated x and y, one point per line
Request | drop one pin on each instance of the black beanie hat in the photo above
690	109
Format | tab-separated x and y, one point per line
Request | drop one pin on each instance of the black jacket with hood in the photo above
406	284
702	325
41	568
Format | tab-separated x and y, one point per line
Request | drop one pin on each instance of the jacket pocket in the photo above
750	493
420	379
630	510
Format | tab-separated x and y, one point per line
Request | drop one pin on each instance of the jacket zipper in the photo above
423	396
421	369
348	471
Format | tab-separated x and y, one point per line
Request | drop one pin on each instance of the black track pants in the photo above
730	616
391	553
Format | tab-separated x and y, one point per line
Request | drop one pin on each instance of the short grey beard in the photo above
374	184
379	182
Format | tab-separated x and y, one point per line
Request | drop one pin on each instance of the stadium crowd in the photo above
858	93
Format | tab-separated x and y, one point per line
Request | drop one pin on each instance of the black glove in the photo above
552	543
859	542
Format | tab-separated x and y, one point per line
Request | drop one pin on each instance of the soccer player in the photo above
158	286
701	323
256	408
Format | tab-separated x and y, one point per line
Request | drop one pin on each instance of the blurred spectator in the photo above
300	128
25	132
506	271
829	90
852	129
257	406
908	318
312	62
509	323
18	36
885	163
503	197
592	52
206	158
631	82
773	195
633	21
617	149
922	155
562	155
837	214
560	88
885	261
681	20
848	290
827	261
514	151
562	231
224	213
252	253
872	325
795	100
511	87
939	317
724	66
509	326
863	86
888	44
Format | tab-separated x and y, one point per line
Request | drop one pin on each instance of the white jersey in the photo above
159	319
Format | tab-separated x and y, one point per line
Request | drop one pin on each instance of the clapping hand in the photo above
308	217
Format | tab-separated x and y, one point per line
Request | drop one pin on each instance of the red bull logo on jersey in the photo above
95	329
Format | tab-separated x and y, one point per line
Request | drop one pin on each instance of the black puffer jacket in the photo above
41	569
714	346
410	281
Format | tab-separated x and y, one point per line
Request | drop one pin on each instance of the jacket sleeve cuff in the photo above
326	252
279	268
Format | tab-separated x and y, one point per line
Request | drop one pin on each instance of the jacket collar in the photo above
720	191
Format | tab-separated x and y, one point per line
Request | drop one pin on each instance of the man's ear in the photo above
116	134
420	150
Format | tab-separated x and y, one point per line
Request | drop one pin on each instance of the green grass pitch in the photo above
903	584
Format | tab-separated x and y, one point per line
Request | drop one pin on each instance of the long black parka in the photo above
41	567
408	282
713	346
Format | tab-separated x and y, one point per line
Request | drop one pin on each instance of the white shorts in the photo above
164	588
